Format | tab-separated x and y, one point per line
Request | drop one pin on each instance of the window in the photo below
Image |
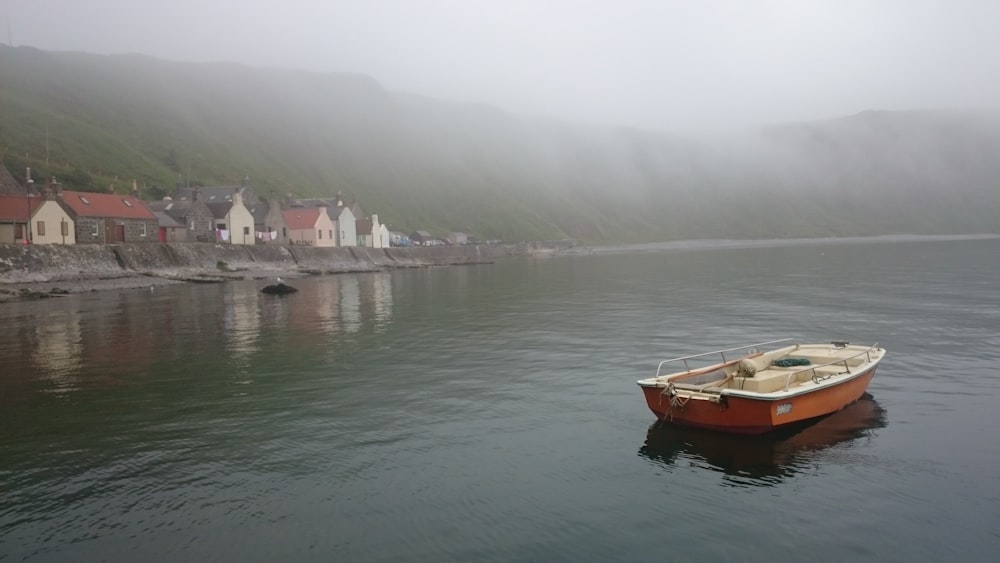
40	228
85	200
142	231
246	230
65	228
319	234
192	225
330	232
284	232
127	203
96	232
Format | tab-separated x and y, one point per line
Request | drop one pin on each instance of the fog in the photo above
685	67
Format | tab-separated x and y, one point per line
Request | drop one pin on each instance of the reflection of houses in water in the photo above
315	307
122	335
350	303
381	292
241	319
326	305
58	348
340	303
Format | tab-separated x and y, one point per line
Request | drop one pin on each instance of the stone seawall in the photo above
50	263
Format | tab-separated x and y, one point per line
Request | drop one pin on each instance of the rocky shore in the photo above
38	272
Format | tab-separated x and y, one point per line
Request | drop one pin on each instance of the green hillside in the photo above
97	122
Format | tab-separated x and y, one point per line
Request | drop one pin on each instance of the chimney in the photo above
28	182
375	223
135	189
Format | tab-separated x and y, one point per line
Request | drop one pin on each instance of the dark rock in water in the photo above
278	289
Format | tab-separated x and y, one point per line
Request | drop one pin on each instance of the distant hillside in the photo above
96	122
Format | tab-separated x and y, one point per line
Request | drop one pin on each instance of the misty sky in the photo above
673	65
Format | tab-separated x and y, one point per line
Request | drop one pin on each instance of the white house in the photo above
347	234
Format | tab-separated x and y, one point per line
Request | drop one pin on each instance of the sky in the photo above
680	66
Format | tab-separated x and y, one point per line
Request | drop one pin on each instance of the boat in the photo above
765	458
762	387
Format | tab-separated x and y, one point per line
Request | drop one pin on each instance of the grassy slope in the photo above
428	164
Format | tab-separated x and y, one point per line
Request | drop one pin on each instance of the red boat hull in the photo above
746	415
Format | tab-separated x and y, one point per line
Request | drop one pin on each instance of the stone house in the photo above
215	194
170	230
109	218
274	229
195	216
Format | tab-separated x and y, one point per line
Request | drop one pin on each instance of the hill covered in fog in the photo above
96	122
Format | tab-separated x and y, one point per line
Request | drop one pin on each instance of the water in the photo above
490	413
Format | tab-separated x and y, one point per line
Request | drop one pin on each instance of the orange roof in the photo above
300	218
18	208
87	204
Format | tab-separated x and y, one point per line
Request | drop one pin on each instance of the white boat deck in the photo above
752	372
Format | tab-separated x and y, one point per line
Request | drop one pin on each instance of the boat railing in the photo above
748	349
817	377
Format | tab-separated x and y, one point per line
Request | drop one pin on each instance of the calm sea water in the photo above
490	413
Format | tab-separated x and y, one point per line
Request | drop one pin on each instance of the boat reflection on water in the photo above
766	458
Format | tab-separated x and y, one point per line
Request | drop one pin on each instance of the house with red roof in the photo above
310	226
15	217
109	218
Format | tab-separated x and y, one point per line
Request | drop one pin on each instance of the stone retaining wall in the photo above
46	263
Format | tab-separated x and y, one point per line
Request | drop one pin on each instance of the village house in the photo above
170	230
275	229
15	216
347	234
370	232
52	223
233	221
456	237
310	226
195	217
214	194
109	218
421	238
364	232
384	236
8	185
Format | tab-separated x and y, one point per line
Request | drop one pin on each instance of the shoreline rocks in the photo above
41	271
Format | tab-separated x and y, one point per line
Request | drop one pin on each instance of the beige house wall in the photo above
328	228
51	218
240	223
7	233
302	236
